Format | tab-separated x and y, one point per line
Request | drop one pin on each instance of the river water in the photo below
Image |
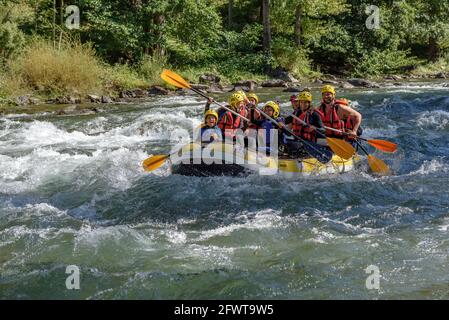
72	192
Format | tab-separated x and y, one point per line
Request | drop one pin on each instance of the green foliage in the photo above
12	38
151	67
293	59
137	38
379	62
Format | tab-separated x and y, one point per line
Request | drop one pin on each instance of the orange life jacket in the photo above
228	124
331	119
303	131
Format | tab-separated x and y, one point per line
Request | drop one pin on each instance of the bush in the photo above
11	40
151	67
293	59
378	62
72	70
122	77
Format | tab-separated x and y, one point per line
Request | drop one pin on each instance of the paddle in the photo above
340	147
383	145
377	165
177	81
154	162
322	154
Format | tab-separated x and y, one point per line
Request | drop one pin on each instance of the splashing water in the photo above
72	192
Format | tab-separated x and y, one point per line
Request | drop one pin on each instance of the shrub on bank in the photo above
72	69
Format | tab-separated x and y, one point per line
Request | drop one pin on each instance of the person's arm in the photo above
252	117
355	115
318	124
208	103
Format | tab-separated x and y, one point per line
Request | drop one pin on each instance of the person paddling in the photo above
348	124
313	127
294	99
228	122
209	130
272	109
333	111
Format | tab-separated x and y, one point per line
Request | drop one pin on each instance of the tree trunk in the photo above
54	24
298	30
433	49
230	6
266	32
266	26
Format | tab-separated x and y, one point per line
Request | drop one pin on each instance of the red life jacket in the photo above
228	124
257	116
296	125
332	120
303	131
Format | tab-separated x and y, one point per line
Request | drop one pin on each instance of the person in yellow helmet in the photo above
310	132
209	129
333	111
253	101
294	99
312	117
227	121
253	98
272	110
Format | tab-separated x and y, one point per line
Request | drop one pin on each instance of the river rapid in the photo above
73	192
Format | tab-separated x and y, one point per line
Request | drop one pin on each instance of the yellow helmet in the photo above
211	112
305	96
235	99
254	96
328	88
274	106
242	93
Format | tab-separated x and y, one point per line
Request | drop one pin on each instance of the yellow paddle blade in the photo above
154	162
174	79
377	165
341	148
384	145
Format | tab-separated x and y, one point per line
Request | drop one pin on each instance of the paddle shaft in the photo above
219	104
361	147
291	133
345	133
186	85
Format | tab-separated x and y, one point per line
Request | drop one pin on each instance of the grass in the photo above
442	65
72	70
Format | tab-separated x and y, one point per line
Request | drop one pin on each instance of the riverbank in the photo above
209	84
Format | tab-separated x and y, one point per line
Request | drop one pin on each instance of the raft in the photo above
222	159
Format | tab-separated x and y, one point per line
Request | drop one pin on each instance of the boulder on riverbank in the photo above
281	74
209	79
293	89
356	82
245	85
345	85
274	83
158	90
94	98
